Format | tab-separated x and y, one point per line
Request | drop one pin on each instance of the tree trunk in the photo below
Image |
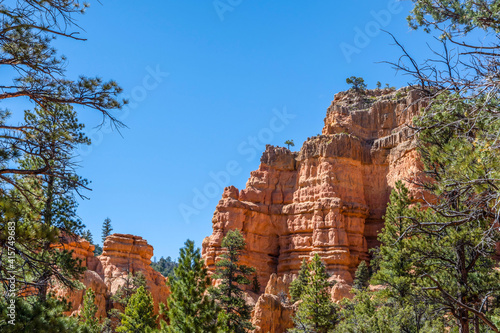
463	323
476	324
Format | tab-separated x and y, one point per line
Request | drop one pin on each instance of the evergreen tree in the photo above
121	297
88	314
255	284
38	181
316	313
106	229
190	310
454	239
395	257
32	314
97	250
87	235
297	286
358	84
43	206
165	266
235	314
139	314
289	143
372	312
362	276
426	263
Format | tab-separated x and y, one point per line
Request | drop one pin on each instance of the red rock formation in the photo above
272	316
122	254
328	198
272	312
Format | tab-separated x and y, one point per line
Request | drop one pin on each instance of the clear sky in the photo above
209	84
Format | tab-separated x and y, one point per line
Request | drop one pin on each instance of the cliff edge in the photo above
330	196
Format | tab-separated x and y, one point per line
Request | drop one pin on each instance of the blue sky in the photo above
210	83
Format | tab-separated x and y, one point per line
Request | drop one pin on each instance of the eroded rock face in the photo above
328	198
272	316
273	313
122	254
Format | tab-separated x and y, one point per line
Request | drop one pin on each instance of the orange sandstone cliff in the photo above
327	198
122	254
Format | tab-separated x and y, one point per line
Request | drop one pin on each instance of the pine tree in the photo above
289	143
297	286
88	314
255	284
139	313
235	314
87	235
395	262
165	266
447	270
316	313
43	206
358	84
190	309
121	298
372	312
362	276
32	314
97	250
39	183
106	229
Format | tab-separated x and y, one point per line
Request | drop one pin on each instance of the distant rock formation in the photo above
329	197
122	254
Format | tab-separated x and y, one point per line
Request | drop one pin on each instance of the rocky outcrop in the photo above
273	313
329	197
83	251
124	254
105	274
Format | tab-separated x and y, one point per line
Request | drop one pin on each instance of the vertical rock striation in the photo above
328	198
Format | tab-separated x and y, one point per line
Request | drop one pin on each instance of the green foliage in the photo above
165	266
357	83
395	264
289	143
436	262
297	286
97	250
379	85
458	142
139	313
106	229
235	314
88	314
460	16
316	312
362	276
255	284
446	269
373	313
43	205
87	235
35	315
39	180
121	297
190	310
